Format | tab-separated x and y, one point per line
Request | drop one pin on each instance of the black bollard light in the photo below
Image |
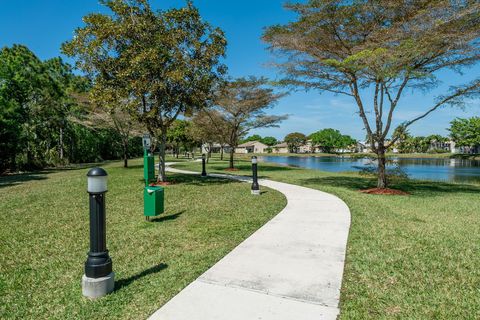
255	186
98	279
204	170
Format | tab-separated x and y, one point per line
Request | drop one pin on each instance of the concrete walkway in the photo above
291	268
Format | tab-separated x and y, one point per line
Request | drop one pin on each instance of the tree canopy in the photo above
295	140
380	47
466	132
331	139
39	102
241	105
168	61
269	141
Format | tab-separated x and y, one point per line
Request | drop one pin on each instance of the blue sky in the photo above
44	25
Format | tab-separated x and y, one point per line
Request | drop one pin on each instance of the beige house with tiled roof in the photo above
251	147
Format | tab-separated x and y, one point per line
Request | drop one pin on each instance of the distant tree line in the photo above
463	133
466	132
328	140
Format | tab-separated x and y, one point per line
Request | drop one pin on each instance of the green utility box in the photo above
153	201
148	168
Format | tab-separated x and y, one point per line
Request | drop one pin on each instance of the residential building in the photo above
280	148
252	147
306	148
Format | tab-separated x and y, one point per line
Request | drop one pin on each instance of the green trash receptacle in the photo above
153	197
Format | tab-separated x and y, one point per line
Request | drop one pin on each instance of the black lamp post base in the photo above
98	265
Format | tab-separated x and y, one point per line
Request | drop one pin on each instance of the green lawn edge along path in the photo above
44	239
408	257
291	268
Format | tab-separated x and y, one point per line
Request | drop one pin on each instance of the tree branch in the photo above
393	104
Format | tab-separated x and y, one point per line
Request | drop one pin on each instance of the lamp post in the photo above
98	279
204	170
255	186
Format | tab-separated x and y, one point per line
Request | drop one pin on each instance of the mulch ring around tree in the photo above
385	191
232	169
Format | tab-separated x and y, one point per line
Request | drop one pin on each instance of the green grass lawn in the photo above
408	257
44	240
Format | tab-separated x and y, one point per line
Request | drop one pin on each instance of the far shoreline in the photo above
366	155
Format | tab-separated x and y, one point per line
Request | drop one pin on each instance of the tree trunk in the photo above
61	144
125	154
232	151
221	153
381	175
161	157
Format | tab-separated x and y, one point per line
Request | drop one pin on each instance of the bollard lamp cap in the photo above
254	160
94	172
97	180
203	156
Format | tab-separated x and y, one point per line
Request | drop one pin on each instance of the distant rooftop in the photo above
249	144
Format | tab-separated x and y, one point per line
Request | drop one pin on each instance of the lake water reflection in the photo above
456	170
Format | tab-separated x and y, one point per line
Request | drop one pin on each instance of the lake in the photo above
454	170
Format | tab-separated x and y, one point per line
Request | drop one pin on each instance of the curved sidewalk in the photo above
291	268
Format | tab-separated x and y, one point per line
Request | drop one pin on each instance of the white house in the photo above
442	145
251	147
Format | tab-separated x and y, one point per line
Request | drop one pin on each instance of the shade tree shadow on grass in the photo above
127	281
135	166
196	180
16	179
410	186
19	178
351	183
248	167
193	179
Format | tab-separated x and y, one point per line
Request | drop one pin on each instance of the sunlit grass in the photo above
408	257
44	240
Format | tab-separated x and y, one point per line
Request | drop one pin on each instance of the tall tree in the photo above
207	129
35	103
111	111
269	141
241	105
295	140
466	132
380	47
167	61
178	135
217	126
254	137
331	139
